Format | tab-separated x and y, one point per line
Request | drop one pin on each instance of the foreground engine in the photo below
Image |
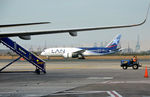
26	37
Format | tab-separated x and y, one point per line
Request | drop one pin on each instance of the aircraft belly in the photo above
88	53
55	54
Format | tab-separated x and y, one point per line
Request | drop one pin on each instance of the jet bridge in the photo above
22	52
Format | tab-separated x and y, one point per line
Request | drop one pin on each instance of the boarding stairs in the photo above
22	52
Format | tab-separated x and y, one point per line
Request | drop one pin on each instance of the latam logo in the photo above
112	46
61	51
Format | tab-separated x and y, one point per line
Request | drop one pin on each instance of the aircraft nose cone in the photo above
42	53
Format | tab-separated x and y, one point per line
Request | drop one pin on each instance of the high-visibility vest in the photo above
134	59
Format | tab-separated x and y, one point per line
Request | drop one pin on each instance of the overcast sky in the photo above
78	14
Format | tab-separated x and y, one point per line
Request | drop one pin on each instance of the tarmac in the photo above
74	78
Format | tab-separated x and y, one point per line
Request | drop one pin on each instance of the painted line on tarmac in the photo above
110	93
114	94
64	68
125	82
32	95
108	78
78	92
6	92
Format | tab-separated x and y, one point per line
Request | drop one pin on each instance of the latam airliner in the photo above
81	52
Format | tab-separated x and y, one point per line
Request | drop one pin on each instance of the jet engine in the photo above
26	37
70	55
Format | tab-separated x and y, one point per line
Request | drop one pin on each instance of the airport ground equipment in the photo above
129	63
22	52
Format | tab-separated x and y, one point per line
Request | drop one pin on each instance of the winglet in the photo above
146	15
141	22
147	12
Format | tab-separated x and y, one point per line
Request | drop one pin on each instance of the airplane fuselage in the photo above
88	51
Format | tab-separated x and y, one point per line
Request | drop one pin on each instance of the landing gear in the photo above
81	56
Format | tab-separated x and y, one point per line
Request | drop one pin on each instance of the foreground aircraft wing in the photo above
23	24
72	32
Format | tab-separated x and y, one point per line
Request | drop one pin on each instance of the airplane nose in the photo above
42	53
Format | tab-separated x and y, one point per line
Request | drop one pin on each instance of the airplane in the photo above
81	52
26	35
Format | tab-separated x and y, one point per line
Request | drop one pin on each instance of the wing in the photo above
80	51
23	24
72	32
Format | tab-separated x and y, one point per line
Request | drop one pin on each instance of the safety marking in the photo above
32	95
107	78
110	93
64	68
119	82
6	92
114	94
78	92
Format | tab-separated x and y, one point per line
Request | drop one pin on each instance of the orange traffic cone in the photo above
146	72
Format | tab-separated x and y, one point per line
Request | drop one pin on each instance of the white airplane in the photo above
81	52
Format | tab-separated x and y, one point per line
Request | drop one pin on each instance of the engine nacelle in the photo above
70	55
27	37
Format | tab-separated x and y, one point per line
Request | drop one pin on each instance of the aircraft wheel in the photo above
81	58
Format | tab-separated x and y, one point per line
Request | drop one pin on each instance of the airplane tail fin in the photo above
114	43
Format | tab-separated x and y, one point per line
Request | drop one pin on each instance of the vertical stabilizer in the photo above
114	43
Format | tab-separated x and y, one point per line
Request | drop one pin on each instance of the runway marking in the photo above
110	93
78	92
6	92
114	94
108	78
118	82
32	95
64	68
